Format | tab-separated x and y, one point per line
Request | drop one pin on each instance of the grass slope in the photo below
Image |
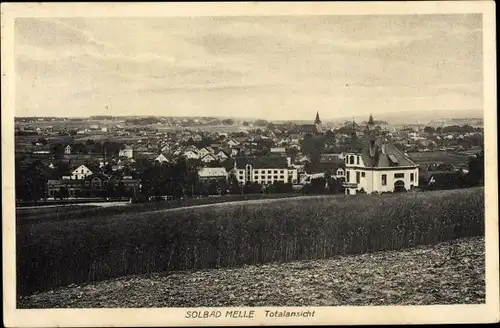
51	254
447	273
77	212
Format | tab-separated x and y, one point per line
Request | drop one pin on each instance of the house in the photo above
62	187
49	164
221	155
278	151
232	143
190	154
81	172
165	148
127	152
208	158
203	152
161	159
379	167
67	150
328	163
212	173
192	148
303	159
331	157
264	170
215	146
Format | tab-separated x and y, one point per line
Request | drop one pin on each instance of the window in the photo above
348	176
351	159
269	177
275	171
282	171
269	171
412	177
399	175
275	177
282	177
357	160
357	177
384	179
363	174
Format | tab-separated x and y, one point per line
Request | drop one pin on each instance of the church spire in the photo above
370	121
317	120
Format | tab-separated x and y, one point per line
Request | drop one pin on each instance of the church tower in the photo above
371	123
317	123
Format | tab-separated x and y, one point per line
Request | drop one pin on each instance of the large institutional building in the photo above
264	170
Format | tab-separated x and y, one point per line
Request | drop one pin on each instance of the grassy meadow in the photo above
75	212
58	253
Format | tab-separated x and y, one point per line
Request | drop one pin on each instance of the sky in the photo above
274	67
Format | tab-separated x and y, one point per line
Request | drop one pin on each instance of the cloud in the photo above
238	65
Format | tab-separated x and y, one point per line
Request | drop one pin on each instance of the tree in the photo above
228	121
57	150
292	153
63	193
475	176
335	186
313	146
318	185
110	189
329	136
261	123
429	129
121	191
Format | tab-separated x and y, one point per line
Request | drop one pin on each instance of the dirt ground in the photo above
448	273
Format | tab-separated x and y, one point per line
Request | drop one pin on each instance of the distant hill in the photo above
422	117
404	117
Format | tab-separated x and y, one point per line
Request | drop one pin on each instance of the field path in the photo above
244	202
99	204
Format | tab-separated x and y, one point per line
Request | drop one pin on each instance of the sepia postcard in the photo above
249	163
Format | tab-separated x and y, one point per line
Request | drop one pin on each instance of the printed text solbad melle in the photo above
244	314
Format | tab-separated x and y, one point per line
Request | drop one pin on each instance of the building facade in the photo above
379	167
264	170
128	152
81	172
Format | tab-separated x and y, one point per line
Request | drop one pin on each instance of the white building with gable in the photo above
379	167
